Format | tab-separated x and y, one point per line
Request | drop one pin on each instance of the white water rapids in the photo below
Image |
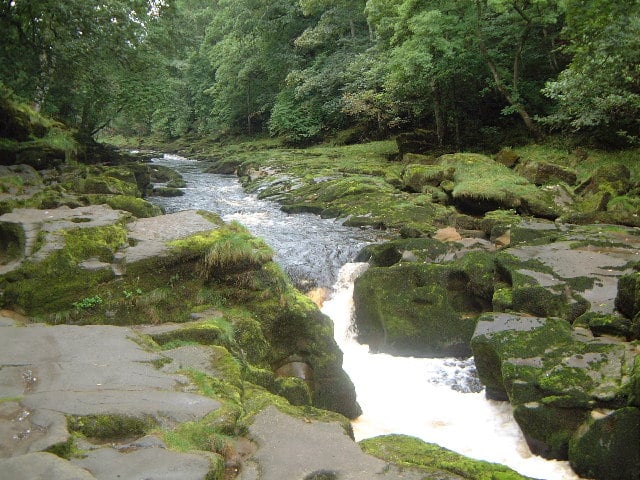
412	396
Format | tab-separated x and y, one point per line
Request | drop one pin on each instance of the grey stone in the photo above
144	463
72	370
292	448
41	466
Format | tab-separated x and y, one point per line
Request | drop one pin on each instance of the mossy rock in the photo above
507	157
543	173
603	324
12	242
294	389
391	252
536	290
416	177
208	332
168	192
628	297
138	207
613	178
552	377
608	446
54	283
482	185
105	184
162	174
435	461
414	309
110	427
548	429
534	232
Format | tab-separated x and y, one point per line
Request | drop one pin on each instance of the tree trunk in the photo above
510	96
441	123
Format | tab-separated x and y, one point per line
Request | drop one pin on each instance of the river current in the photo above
437	400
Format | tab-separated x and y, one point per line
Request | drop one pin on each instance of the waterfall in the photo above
429	398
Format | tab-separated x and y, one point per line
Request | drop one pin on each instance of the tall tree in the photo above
600	89
68	57
524	27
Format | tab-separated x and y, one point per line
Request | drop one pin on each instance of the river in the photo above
432	399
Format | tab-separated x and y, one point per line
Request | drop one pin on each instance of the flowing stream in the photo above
433	399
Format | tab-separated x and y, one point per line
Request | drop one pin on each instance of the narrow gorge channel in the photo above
437	400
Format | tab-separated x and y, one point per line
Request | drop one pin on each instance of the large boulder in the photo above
96	265
424	310
608	445
482	185
543	173
555	377
565	271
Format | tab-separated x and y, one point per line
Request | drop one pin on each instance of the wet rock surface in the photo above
297	449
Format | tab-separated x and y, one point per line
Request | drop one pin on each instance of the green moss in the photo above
209	332
105	184
110	426
418	309
64	449
294	389
168	192
10	399
608	447
101	242
435	460
482	185
248	335
502	299
12	242
139	207
548	429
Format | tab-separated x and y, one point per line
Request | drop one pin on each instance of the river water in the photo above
436	400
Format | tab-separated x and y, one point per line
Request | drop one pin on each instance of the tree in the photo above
68	58
600	89
522	23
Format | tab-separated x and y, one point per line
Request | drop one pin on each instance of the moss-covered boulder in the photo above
613	178
608	445
482	185
507	157
425	310
416	176
553	376
543	173
628	298
408	249
566	272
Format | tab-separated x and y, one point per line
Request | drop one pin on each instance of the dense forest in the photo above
471	73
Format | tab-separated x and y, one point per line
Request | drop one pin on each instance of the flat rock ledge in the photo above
48	373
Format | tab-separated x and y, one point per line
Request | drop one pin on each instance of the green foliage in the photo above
89	302
599	91
296	122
